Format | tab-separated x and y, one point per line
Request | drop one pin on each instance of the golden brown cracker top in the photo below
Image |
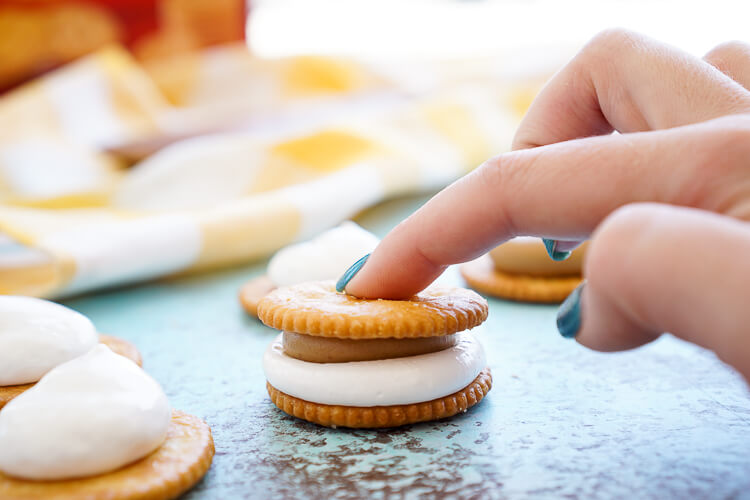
316	308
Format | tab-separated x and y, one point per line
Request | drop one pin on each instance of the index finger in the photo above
560	191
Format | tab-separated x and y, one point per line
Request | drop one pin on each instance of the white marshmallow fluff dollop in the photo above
88	416
36	335
324	257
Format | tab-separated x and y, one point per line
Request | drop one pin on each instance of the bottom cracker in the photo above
384	416
482	276
118	346
180	462
254	290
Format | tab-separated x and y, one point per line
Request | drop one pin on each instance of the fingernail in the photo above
569	314
349	274
551	246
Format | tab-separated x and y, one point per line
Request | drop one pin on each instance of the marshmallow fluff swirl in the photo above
88	416
37	335
324	257
384	382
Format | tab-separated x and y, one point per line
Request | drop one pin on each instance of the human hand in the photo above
664	201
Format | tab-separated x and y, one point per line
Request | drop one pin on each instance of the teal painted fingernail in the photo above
551	246
569	314
349	274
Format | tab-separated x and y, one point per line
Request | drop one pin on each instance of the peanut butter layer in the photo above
527	256
335	350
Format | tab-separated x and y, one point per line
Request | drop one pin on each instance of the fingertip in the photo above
389	275
613	342
362	285
594	325
606	321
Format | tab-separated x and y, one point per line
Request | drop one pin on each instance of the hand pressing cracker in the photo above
665	200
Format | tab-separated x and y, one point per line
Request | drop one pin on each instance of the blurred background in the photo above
148	138
437	28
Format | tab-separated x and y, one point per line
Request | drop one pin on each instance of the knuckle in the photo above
508	174
611	40
725	55
496	172
608	49
499	170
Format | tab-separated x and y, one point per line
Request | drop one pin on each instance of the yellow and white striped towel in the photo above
320	139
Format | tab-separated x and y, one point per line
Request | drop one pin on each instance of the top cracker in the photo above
316	308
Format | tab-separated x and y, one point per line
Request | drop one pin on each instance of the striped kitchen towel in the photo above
112	173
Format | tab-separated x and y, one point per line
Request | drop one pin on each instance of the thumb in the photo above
654	268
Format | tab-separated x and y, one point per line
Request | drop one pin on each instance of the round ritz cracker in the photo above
253	291
481	275
317	310
521	270
175	467
118	346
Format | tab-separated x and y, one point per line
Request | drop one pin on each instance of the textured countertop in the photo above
664	421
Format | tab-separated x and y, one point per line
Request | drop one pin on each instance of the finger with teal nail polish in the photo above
553	252
569	314
349	274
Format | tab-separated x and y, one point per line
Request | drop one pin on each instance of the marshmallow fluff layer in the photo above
37	335
324	257
386	382
88	416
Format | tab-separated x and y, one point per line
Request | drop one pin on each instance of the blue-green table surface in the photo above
664	421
